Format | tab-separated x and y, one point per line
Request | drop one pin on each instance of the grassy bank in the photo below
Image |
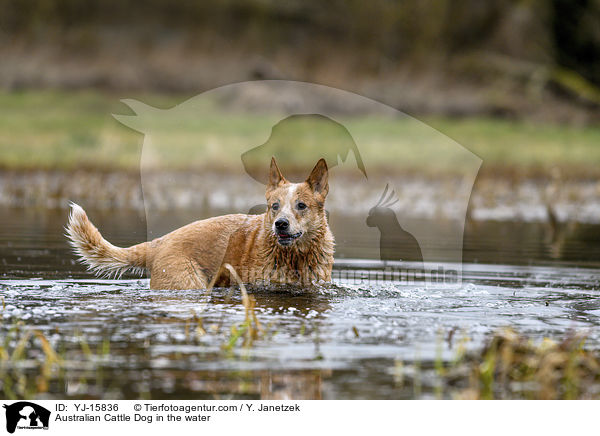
68	130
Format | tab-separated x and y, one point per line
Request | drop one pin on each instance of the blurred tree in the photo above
576	32
382	33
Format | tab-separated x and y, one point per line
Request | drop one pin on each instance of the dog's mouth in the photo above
287	238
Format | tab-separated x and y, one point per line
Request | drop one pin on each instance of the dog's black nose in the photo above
282	224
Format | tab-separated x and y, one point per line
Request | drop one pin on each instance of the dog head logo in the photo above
26	415
296	142
299	139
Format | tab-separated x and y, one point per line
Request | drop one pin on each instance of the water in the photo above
118	339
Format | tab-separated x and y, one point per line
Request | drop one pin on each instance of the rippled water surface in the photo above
118	339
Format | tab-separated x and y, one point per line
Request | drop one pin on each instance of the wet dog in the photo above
289	243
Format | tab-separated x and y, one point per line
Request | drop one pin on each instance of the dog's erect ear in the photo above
318	179
275	176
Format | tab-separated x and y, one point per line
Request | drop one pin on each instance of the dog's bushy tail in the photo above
97	253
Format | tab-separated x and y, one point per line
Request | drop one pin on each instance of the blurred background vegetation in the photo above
508	63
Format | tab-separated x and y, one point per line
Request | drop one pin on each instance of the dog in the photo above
290	243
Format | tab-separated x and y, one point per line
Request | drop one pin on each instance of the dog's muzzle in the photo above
286	239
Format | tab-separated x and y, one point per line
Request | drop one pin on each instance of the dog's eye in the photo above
301	206
275	206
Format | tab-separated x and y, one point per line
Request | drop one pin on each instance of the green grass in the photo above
70	130
59	130
527	146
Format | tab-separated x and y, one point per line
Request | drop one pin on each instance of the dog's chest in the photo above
290	266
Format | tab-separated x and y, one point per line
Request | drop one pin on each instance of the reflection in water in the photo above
292	386
558	233
32	242
256	385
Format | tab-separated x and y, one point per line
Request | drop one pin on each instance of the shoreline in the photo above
420	197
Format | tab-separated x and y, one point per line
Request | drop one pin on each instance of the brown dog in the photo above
290	243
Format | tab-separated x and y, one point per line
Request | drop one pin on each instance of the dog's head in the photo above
295	211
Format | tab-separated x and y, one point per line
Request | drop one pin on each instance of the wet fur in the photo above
192	256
